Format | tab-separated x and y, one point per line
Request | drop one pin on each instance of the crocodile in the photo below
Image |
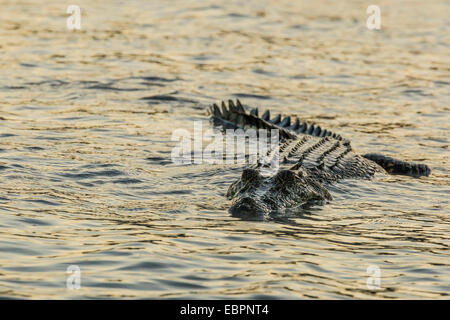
310	160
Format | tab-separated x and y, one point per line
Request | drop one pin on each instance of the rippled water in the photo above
86	119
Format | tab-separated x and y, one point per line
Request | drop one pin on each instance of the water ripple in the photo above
86	122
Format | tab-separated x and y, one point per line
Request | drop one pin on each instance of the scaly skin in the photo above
310	159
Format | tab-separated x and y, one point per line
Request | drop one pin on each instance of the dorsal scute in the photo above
326	158
235	113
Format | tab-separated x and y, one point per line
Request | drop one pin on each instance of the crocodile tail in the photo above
394	166
234	116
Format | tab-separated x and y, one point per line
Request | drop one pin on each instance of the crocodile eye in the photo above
285	176
250	174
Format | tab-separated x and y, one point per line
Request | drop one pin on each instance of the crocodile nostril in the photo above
247	203
246	206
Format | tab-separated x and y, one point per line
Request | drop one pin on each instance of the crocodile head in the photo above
256	195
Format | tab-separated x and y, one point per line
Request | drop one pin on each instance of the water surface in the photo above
86	119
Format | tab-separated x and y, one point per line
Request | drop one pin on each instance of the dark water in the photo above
86	119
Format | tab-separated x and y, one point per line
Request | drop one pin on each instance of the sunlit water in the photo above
86	119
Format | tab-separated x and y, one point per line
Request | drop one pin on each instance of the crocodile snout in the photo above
247	207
